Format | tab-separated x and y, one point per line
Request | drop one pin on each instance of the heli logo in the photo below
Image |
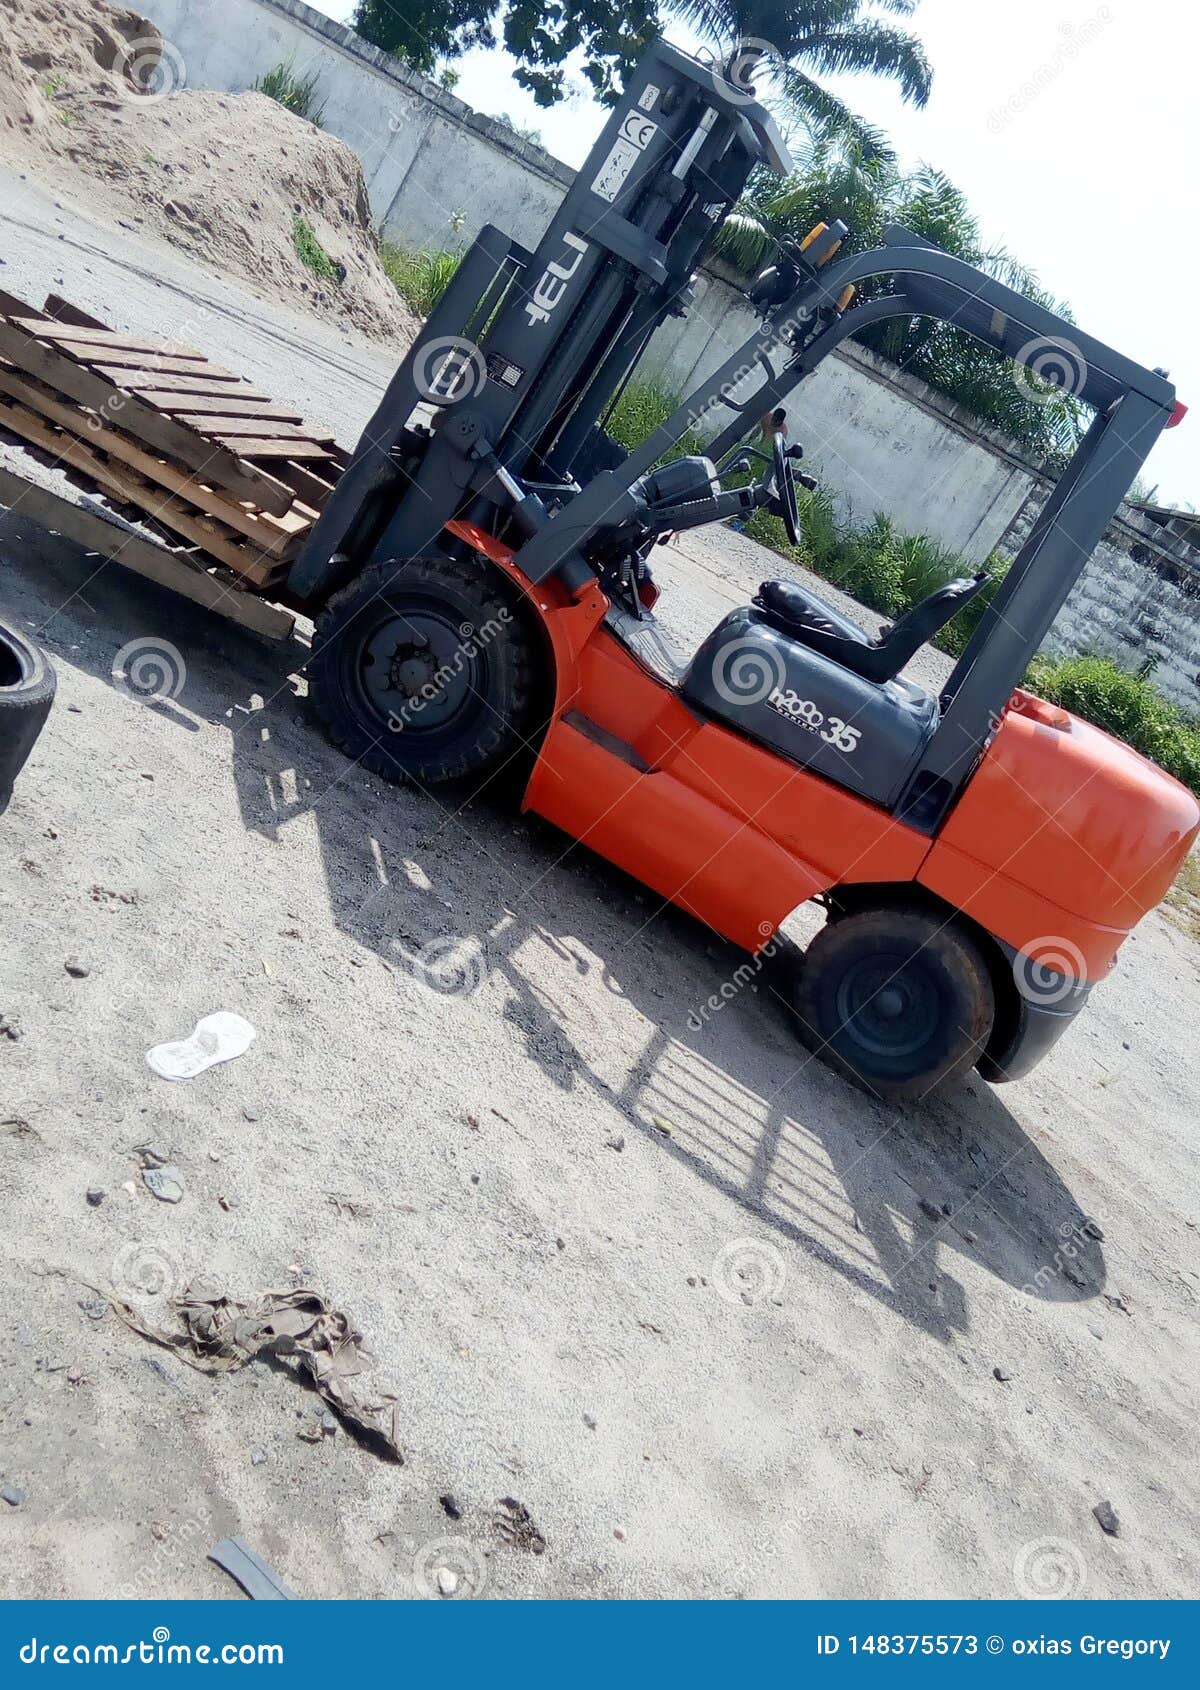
549	291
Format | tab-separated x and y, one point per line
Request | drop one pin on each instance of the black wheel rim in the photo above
888	1008
414	669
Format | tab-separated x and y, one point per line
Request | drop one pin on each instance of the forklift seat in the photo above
806	617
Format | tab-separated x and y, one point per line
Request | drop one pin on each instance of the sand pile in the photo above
93	89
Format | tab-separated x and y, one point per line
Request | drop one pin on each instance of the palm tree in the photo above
838	177
797	41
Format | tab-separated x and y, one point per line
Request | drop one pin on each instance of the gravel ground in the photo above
755	1355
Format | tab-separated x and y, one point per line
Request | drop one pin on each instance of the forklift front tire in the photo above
424	671
899	1000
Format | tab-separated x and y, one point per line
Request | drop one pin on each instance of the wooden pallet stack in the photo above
167	437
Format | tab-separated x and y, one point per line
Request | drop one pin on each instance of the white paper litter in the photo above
215	1038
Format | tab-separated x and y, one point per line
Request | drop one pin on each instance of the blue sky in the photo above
1070	126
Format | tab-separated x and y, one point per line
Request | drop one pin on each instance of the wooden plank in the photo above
143	557
176	364
224	426
201	530
64	312
207	404
153	384
309	484
80	342
278	535
261	448
165	434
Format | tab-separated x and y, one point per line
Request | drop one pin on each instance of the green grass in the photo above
641	408
310	251
53	86
419	277
295	93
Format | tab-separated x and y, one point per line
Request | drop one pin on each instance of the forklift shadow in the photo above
902	1204
886	1196
465	898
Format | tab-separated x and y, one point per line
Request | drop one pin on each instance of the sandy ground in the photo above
752	1357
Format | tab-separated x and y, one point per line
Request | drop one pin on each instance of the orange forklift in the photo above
481	581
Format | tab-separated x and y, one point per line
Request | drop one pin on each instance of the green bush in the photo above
642	407
868	564
1129	706
420	278
295	93
310	251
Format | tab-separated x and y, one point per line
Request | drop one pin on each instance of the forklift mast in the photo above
525	351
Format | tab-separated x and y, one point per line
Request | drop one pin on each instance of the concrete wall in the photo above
881	441
1137	601
436	170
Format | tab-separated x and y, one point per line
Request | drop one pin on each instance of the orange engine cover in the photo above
1063	834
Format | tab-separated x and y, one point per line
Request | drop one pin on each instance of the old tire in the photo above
898	1000
26	694
423	671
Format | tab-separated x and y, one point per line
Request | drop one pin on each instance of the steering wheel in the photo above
783	502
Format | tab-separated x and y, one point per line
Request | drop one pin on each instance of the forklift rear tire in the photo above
424	672
898	1000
